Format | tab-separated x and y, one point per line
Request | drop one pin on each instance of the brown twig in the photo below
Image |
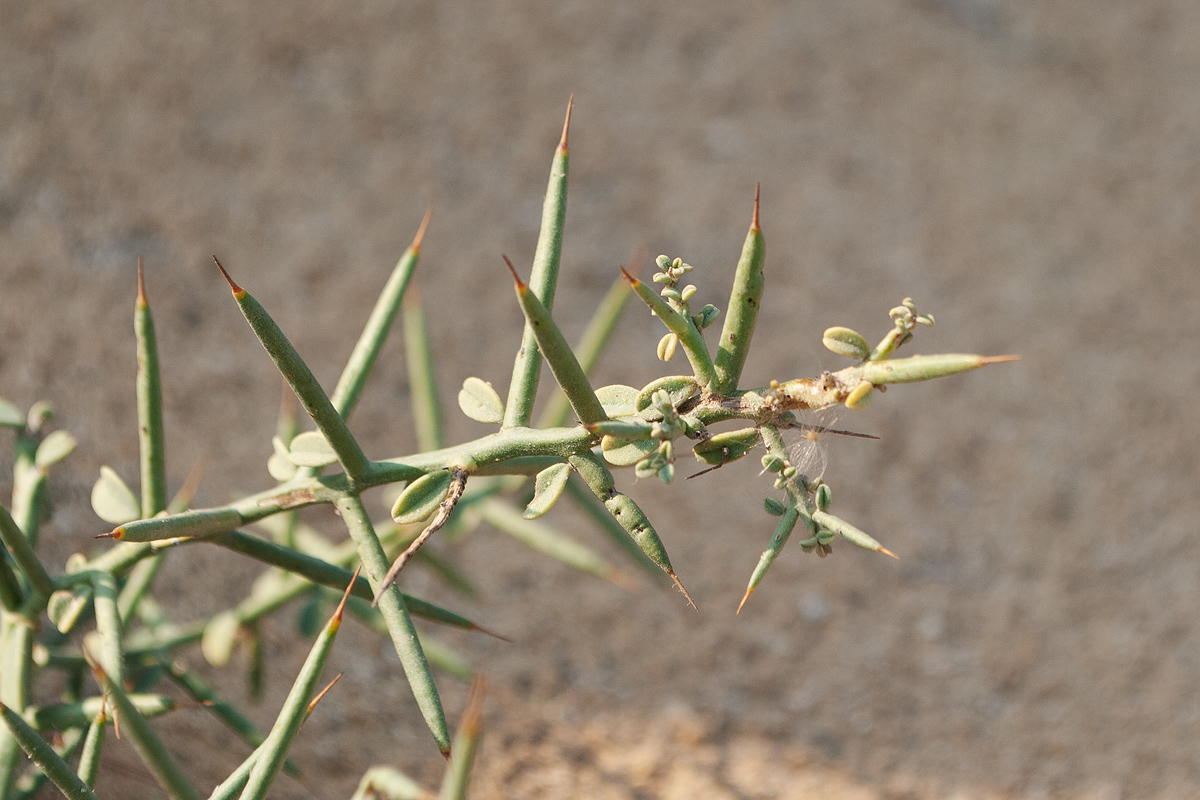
458	483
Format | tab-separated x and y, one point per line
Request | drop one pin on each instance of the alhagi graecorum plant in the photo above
99	616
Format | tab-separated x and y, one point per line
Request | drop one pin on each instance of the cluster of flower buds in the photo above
671	271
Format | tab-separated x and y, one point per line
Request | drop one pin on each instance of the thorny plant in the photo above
131	645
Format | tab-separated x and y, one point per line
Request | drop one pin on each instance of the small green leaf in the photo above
649	467
310	449
773	463
54	448
622	452
774	507
113	500
666	347
706	316
846	342
422	497
280	463
618	400
860	396
479	401
548	487
680	387
726	446
39	414
66	606
824	496
220	635
10	415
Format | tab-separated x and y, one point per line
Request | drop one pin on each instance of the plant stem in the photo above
543	278
395	615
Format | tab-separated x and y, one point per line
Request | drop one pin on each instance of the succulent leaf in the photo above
65	607
10	415
860	396
846	342
54	448
547	488
422	497
666	347
622	452
220	636
726	446
679	387
280	464
773	507
311	449
113	500
618	400
479	401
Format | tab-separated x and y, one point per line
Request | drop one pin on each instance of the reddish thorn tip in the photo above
754	226
141	295
679	586
346	594
745	597
313	703
236	289
887	552
562	144
1000	359
512	269
632	280
416	242
109	535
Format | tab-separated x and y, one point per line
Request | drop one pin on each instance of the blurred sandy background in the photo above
1027	171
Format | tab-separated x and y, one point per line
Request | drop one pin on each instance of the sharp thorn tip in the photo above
745	597
679	586
562	144
228	279
513	270
346	594
416	242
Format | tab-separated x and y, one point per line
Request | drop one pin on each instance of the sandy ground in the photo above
1027	171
